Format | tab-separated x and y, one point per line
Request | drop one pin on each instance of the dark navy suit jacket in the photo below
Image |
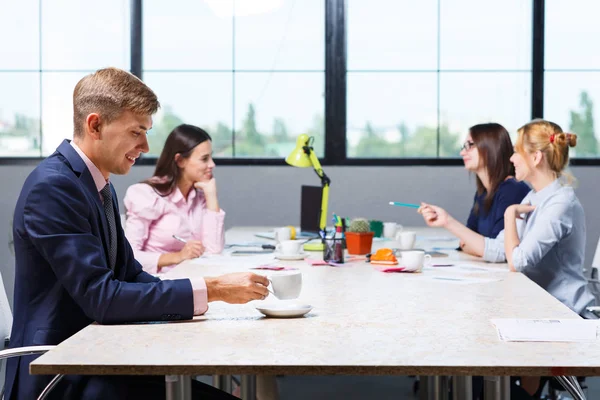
63	281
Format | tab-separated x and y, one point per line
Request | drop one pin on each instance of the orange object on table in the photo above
384	256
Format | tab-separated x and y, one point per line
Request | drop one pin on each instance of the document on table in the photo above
546	330
226	259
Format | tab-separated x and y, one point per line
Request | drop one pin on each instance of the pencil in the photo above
180	239
395	203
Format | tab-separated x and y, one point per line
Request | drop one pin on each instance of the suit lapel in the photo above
85	176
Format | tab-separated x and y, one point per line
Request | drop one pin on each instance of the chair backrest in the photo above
6	317
596	262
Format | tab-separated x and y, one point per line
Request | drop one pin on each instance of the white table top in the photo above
364	322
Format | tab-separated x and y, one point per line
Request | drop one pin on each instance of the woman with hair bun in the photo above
544	236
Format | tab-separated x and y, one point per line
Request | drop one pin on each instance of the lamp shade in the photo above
298	157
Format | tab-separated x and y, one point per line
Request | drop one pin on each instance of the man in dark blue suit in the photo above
74	265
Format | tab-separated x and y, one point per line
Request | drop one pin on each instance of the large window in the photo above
256	74
19	79
420	73
572	76
253	77
49	46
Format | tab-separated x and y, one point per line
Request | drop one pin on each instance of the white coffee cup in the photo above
282	234
289	247
389	229
406	239
414	260
286	284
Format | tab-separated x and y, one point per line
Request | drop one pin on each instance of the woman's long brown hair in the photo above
182	140
495	148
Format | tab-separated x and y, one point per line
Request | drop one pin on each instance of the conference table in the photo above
435	324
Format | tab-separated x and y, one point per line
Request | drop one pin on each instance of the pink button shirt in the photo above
152	220
198	285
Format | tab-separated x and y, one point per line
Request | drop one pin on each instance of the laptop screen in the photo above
310	208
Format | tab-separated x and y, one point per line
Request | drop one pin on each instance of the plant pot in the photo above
359	243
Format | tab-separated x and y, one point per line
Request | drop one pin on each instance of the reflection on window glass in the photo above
571	100
57	107
469	40
186	35
392	34
19	30
240	87
402	99
20	114
79	36
288	35
391	115
570	96
572	32
203	99
469	98
272	109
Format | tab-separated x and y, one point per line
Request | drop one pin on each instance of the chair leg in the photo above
572	387
50	386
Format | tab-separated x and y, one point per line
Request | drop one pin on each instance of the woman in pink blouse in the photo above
181	200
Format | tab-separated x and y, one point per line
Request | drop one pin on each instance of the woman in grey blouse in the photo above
544	236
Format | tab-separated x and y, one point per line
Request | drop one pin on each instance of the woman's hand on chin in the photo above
208	187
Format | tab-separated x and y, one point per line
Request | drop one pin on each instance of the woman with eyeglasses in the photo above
544	236
486	153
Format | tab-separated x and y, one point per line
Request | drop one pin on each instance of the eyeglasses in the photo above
468	145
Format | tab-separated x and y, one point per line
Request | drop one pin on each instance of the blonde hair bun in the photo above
564	139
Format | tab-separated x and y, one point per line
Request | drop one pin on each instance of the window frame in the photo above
335	94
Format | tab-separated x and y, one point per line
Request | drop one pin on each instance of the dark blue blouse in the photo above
490	224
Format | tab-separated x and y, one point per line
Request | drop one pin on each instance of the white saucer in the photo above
284	310
291	257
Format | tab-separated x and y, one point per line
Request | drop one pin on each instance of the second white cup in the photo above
289	247
406	239
390	229
282	234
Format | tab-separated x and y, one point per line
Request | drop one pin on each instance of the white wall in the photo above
263	195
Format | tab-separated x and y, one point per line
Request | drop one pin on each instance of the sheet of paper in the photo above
437	238
546	330
226	259
460	280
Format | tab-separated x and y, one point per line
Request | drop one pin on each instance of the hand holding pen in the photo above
191	249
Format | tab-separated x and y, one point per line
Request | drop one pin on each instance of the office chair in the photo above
6	320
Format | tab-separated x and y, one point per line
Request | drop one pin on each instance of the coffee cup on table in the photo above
406	239
415	260
389	230
286	284
289	247
282	234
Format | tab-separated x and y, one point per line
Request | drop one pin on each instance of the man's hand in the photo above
237	288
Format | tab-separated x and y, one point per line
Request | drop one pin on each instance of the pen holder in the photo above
333	250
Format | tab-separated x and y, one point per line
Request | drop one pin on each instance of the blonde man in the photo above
73	263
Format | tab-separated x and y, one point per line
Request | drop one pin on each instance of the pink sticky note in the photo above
315	263
391	269
274	267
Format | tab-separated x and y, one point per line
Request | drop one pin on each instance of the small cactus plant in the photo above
359	237
359	225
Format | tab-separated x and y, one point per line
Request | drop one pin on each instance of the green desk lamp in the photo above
304	156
